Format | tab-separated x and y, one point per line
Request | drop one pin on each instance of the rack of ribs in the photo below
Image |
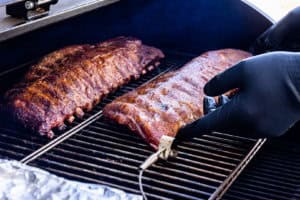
72	80
169	102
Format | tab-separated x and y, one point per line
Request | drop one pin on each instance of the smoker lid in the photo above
64	9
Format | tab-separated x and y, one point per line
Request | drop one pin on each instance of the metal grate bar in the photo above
218	146
235	173
111	171
198	163
245	195
227	141
274	173
293	161
206	149
13	148
283	158
129	183
225	135
125	160
268	187
62	137
248	190
277	171
96	150
271	180
10	154
275	176
211	154
192	178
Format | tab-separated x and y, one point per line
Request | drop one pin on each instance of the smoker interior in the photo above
96	150
273	173
106	153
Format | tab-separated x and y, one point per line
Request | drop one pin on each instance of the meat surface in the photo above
72	80
169	102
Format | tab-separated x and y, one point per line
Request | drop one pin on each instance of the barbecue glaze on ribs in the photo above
169	102
72	80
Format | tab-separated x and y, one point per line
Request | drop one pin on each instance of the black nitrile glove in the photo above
284	35
267	103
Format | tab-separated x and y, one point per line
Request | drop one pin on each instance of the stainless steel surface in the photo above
218	194
11	27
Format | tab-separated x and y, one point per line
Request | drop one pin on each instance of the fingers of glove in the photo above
210	104
230	79
223	99
224	118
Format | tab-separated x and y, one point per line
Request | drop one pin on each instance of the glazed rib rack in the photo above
96	150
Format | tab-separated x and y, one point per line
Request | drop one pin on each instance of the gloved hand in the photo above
284	35
267	103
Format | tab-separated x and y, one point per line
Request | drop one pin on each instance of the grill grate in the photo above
273	174
101	154
99	151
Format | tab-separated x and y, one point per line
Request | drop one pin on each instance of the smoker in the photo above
96	150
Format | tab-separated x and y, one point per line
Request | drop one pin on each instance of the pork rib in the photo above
164	105
74	79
